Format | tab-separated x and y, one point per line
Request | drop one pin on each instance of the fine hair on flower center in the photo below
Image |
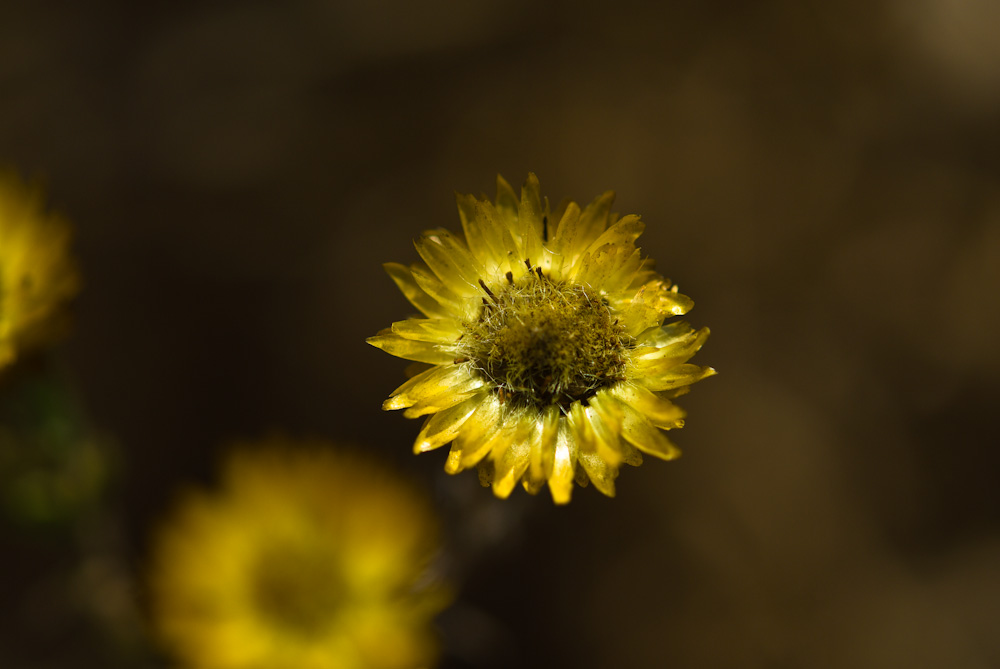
541	342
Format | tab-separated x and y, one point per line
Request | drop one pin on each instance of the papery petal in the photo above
440	330
670	334
530	221
601	473
449	397
507	204
579	428
674	377
473	440
606	441
575	234
543	446
437	379
444	426
489	241
561	239
651	304
622	234
512	461
594	220
638	432
450	260
429	283
421	351
403	278
658	411
563	466
620	279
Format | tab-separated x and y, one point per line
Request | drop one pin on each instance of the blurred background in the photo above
822	178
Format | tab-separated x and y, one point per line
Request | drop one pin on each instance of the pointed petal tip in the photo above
379	341
422	446
393	404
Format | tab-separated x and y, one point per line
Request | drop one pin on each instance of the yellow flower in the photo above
36	274
304	559
551	362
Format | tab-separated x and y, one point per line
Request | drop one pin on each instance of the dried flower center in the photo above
296	588
541	342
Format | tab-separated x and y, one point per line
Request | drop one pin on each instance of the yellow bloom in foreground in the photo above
551	362
36	274
304	559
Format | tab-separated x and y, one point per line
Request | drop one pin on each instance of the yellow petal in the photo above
543	446
612	413
593	221
451	392
675	342
622	234
444	426
647	272
621	278
609	409
453	464
427	305
483	233
529	215
606	442
652	303
601	473
512	462
630	455
668	335
561	239
421	351
440	330
507	204
424	384
473	440
673	378
638	431
660	412
594	268
450	260
433	286
473	451
563	466
579	428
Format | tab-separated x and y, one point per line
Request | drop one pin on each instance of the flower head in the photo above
551	362
304	558
36	274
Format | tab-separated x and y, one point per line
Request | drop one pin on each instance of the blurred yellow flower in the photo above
304	559
36	274
551	362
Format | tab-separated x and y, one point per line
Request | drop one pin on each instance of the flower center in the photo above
296	588
541	342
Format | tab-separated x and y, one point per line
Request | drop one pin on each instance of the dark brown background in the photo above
822	178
